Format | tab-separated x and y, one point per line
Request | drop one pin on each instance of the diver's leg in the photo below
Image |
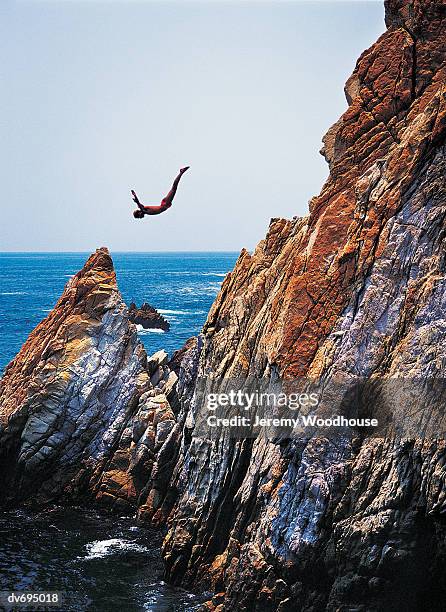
167	201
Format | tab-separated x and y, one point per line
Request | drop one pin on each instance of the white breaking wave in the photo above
213	273
143	331
182	273
13	293
174	312
102	548
211	289
181	312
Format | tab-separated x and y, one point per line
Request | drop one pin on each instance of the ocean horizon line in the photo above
207	252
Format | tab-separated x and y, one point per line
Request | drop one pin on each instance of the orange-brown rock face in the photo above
355	289
83	410
301	277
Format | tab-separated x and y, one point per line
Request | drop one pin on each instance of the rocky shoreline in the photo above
356	289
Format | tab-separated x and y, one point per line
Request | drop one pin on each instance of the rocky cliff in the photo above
83	411
356	289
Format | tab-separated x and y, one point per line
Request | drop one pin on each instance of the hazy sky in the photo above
102	96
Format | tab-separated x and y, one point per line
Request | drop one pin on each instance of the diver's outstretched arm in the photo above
170	196
136	200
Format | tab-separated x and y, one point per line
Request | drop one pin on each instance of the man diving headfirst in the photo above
165	202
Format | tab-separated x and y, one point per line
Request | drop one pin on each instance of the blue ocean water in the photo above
182	286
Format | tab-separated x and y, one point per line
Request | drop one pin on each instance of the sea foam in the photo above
102	548
143	331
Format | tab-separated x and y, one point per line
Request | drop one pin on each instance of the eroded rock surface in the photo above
356	289
83	411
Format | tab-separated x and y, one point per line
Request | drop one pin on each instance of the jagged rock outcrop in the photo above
83	411
148	317
179	355
137	475
356	289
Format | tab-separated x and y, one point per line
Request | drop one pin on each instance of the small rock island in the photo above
148	317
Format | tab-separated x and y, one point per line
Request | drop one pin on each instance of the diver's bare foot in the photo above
182	170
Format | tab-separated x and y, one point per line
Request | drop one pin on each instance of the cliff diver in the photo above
165	202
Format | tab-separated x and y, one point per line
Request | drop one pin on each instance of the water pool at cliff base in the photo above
100	563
